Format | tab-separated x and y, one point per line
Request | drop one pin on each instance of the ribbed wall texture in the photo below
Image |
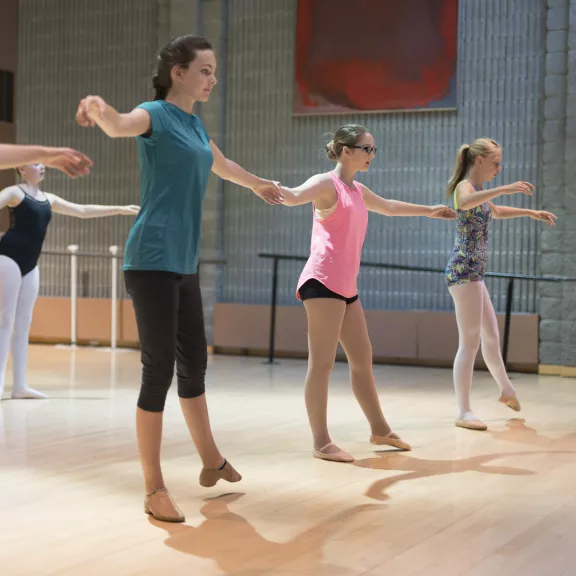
68	49
500	83
71	48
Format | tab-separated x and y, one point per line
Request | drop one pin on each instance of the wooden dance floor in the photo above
501	502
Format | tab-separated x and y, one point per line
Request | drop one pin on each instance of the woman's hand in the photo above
269	191
130	210
89	109
71	162
518	187
547	217
442	212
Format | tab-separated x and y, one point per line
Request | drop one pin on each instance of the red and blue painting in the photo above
355	56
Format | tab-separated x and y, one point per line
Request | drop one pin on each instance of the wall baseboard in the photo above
408	338
401	337
527	368
553	370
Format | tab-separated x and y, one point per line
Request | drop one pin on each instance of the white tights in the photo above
17	297
476	323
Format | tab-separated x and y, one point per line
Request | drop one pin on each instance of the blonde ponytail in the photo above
465	160
460	169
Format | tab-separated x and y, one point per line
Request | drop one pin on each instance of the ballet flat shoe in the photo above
390	440
209	477
161	499
339	456
511	402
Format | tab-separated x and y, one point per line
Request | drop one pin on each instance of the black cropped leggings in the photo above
170	322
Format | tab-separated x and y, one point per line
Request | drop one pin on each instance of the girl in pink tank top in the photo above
337	241
327	285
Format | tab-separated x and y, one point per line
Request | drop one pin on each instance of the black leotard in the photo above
24	240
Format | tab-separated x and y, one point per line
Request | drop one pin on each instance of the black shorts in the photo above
315	289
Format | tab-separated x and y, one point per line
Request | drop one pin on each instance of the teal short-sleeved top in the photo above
175	162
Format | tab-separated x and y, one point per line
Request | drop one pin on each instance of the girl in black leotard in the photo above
30	214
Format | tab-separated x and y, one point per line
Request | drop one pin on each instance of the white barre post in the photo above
73	249
113	337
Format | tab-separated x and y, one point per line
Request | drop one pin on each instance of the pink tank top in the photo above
337	242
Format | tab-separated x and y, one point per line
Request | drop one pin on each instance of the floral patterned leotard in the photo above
468	262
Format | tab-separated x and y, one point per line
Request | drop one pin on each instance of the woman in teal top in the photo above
161	257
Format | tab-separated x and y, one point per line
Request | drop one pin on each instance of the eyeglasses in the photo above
367	149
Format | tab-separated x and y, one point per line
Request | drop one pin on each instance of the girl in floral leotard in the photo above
468	262
477	164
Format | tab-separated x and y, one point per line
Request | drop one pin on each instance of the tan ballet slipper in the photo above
339	456
390	440
511	402
209	477
160	505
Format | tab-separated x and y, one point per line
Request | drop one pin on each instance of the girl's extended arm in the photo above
69	161
94	111
507	212
61	206
467	197
380	205
226	169
315	189
11	196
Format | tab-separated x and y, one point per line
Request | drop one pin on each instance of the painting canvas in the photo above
384	55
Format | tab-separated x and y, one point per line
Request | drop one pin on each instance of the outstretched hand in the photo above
519	187
71	162
269	191
130	210
547	217
89	109
442	212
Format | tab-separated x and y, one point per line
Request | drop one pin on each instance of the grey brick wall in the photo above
557	191
569	236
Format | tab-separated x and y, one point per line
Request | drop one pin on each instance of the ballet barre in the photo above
73	252
277	258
